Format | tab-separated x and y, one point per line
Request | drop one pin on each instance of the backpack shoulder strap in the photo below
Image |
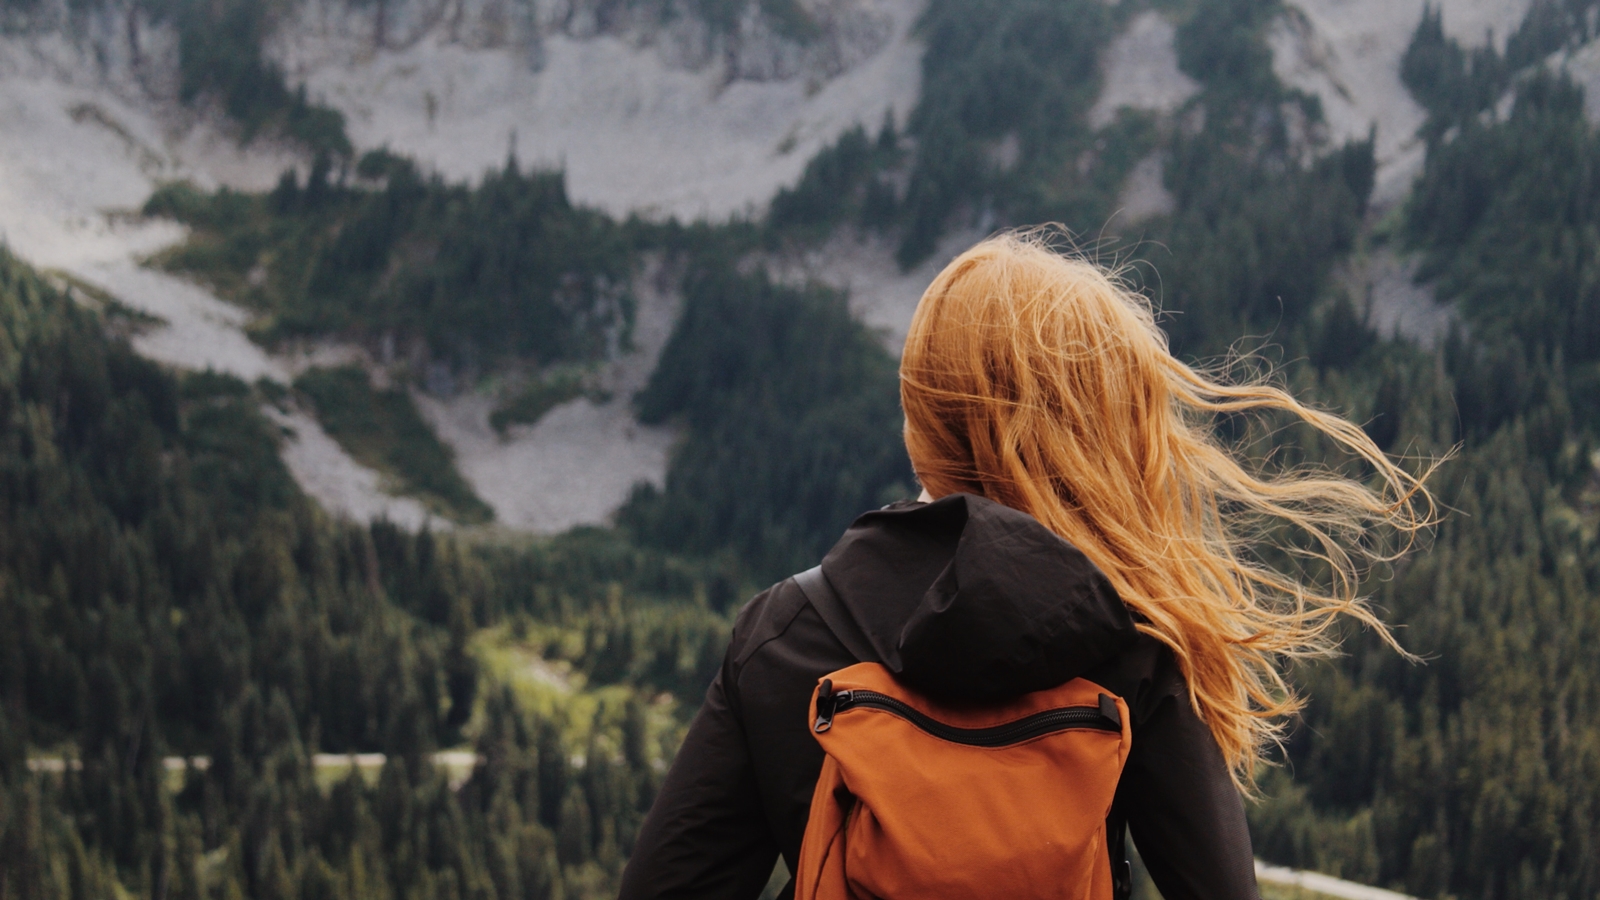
815	586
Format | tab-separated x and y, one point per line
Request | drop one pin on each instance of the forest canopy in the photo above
166	590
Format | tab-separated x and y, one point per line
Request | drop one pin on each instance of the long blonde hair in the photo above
1044	383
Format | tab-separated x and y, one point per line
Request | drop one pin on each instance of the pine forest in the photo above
213	689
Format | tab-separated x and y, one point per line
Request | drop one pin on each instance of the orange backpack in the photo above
919	799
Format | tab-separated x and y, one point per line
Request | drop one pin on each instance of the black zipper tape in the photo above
1104	717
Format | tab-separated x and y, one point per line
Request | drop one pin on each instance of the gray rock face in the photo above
830	37
1141	71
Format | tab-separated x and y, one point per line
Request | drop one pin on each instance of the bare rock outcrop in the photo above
818	40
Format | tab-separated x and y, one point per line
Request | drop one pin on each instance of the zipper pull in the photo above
828	703
1108	709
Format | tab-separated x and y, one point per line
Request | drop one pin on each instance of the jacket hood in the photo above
964	598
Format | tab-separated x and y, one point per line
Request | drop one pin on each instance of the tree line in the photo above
1474	775
167	590
474	277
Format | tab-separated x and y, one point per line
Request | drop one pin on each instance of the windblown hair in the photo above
1043	383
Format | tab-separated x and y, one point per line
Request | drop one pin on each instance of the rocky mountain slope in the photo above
659	118
663	121
649	115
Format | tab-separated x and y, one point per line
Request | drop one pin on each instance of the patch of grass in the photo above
382	429
528	405
236	245
536	662
121	319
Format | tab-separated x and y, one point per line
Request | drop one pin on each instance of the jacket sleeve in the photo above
1183	810
705	837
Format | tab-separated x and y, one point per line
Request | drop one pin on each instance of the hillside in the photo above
82	84
659	116
1348	55
413	323
213	611
606	99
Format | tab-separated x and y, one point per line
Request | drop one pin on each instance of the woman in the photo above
1087	523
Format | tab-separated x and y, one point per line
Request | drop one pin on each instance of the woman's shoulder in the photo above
764	619
1145	674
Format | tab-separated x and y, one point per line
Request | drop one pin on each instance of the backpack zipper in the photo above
1105	717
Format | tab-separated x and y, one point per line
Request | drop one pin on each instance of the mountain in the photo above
649	110
644	266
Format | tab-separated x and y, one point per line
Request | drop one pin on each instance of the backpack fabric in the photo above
923	799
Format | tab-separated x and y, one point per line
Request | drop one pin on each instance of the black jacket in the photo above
960	598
